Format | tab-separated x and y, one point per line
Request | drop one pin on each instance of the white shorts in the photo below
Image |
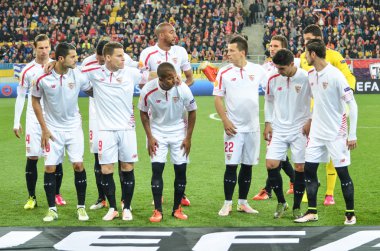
318	151
73	141
93	135
172	143
242	148
277	148
117	145
33	140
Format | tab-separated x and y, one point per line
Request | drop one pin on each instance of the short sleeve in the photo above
185	63
189	101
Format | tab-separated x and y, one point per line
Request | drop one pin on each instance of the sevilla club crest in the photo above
251	77
325	84
298	88
71	85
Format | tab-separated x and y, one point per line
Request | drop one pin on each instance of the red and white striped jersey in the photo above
288	102
153	56
330	92
240	88
166	107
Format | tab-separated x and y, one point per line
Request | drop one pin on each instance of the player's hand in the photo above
152	146
306	128
49	67
186	145
45	136
229	127
268	131
351	144
18	131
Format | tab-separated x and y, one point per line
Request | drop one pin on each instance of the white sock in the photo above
53	208
79	206
242	202
228	202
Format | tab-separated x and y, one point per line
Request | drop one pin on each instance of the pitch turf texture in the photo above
204	179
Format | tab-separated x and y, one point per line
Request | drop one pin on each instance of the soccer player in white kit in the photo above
166	51
238	84
96	60
62	125
277	43
33	130
287	124
113	85
165	98
328	133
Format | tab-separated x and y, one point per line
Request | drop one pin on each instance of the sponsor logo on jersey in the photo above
279	88
251	77
53	86
233	79
298	88
71	85
325	84
158	101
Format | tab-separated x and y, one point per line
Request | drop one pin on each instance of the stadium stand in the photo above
202	26
351	27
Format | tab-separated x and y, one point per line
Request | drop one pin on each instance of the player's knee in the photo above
299	167
272	164
78	166
50	169
126	167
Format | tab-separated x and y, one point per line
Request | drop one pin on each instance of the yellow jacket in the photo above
334	58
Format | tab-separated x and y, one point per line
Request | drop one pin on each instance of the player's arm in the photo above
19	106
45	134
189	77
229	127
186	144
186	68
352	140
268	112
152	142
340	63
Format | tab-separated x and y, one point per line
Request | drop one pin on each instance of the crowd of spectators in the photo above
202	26
351	27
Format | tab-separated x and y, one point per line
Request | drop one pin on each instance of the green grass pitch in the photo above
204	176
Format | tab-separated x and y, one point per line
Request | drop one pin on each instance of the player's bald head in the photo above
162	27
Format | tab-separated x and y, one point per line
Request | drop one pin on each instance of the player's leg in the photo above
33	151
330	184
108	155
127	156
298	147
316	152
53	153
233	146
250	156
340	156
75	151
276	151
288	169
157	183
58	177
180	160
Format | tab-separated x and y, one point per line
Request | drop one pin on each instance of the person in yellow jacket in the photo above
335	58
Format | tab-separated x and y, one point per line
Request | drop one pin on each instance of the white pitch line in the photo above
215	116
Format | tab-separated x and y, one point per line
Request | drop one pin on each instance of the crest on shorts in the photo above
251	77
175	99
298	88
229	155
119	80
71	85
175	60
28	149
325	84
99	156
